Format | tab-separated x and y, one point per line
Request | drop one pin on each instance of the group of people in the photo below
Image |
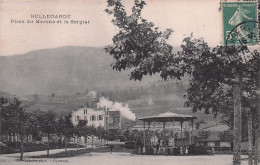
158	149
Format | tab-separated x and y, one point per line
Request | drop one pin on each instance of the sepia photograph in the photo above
130	82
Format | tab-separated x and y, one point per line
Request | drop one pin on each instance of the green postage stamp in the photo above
240	23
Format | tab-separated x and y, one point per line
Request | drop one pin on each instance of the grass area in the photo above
71	153
115	149
14	147
64	154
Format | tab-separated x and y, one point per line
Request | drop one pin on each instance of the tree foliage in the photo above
226	136
142	48
138	45
81	128
68	132
212	74
48	122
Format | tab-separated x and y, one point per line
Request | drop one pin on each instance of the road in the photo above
121	159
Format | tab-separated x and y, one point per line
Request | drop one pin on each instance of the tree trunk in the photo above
237	121
258	124
258	145
86	142
48	146
21	149
100	138
255	148
65	141
92	142
250	139
77	143
255	152
61	141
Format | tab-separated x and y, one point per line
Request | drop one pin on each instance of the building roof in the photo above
213	136
218	128
168	117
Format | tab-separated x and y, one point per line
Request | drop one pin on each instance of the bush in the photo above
197	150
7	150
14	147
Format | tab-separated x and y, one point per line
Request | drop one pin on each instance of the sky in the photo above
202	17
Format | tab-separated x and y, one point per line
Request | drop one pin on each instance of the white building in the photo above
95	117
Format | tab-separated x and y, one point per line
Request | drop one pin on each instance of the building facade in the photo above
114	120
111	120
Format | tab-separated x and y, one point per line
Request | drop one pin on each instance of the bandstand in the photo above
168	117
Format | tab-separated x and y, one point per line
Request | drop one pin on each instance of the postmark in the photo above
240	30
240	23
244	33
239	38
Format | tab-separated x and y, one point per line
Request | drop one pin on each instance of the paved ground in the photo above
119	159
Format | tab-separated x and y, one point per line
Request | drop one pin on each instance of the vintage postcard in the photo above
140	82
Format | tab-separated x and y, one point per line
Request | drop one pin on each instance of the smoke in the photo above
116	106
150	101
92	94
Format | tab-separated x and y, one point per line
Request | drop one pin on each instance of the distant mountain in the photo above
6	95
152	99
63	71
60	79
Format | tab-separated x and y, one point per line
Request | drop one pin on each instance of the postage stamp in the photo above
240	25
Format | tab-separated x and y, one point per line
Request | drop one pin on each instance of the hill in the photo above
61	79
63	71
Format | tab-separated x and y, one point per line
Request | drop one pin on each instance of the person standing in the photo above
111	148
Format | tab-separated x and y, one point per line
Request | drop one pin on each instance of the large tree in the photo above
138	45
47	125
60	127
222	78
80	130
5	117
14	120
69	131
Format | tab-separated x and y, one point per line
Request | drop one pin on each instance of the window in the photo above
117	120
110	120
85	111
77	118
85	118
100	117
93	117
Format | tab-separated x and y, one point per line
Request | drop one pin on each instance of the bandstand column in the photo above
164	133
173	124
164	129
181	133
149	138
191	135
154	132
144	138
